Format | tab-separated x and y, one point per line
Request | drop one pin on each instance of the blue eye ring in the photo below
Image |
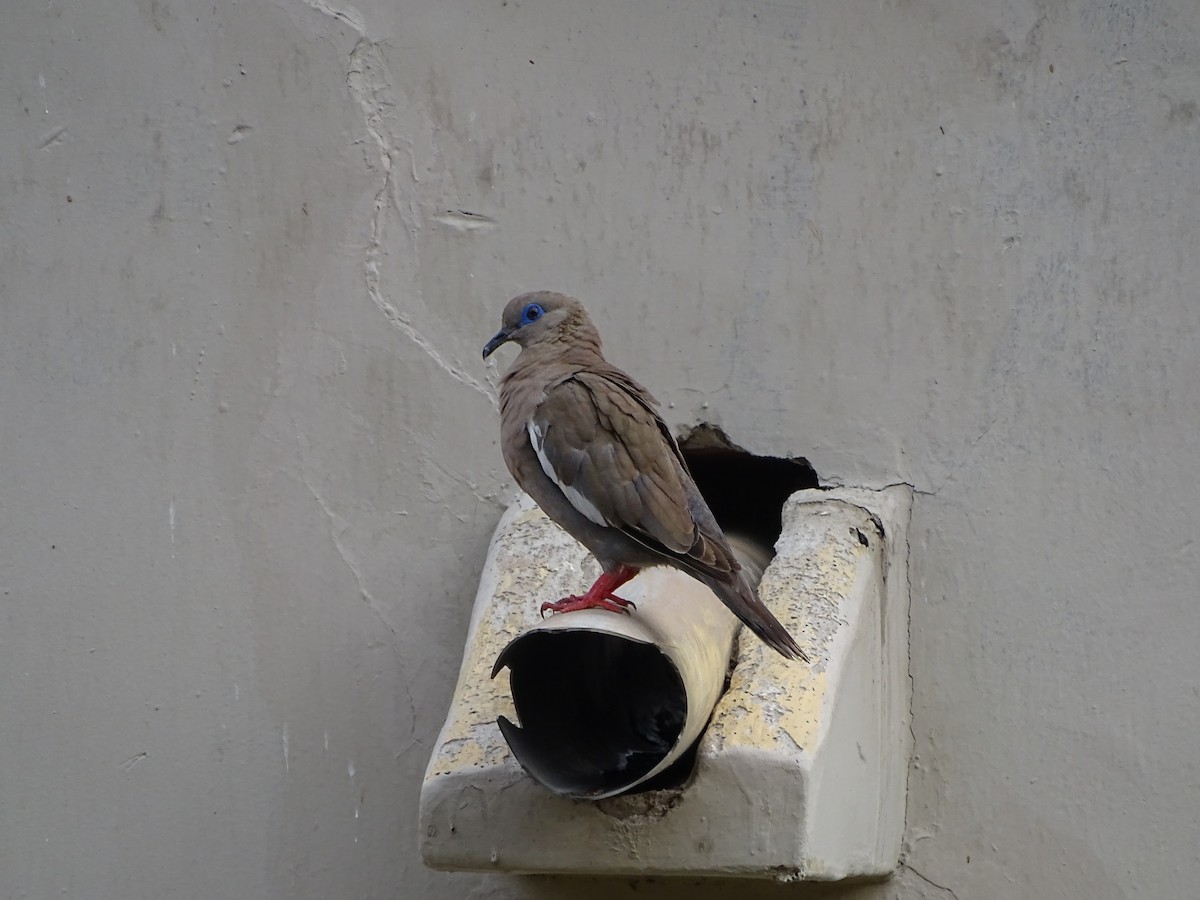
531	313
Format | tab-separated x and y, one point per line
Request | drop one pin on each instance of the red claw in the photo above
573	603
599	596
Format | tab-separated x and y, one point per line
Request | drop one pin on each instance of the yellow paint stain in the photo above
773	703
787	717
470	737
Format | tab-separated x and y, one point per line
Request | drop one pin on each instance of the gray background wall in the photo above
249	450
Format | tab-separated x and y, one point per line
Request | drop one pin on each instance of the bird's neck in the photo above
547	362
558	357
576	335
575	342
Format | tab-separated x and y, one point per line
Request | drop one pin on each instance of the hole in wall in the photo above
745	492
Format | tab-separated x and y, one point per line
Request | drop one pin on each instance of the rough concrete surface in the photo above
801	773
250	254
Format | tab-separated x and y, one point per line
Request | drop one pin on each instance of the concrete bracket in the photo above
801	772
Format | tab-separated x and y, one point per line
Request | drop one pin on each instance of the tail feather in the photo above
742	600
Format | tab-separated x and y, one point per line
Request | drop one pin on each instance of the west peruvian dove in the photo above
583	439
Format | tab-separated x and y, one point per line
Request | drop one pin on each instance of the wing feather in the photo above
598	438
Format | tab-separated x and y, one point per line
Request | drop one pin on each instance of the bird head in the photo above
541	316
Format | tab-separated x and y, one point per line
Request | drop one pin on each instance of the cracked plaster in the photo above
943	246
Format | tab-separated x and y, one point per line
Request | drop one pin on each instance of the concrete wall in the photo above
249	449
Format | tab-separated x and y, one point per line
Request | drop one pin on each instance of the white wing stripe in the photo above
580	502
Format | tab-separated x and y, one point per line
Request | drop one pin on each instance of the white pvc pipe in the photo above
609	701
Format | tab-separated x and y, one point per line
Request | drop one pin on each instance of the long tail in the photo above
742	600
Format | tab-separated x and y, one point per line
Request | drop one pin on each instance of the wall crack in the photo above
929	881
338	526
370	83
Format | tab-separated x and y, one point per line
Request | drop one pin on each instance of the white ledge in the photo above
802	770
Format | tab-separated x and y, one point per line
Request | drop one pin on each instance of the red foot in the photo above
599	596
573	603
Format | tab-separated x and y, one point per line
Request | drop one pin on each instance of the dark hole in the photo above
744	491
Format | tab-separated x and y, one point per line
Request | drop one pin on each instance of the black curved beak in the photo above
501	337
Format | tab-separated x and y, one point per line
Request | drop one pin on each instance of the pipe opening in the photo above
597	711
745	492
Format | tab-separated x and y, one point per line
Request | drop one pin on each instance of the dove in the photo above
585	441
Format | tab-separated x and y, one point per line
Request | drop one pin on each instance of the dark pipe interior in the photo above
597	711
744	491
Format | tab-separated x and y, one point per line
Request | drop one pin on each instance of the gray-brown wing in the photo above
612	458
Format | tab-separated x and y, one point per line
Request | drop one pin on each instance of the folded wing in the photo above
598	438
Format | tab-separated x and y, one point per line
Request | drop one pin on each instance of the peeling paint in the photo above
344	13
461	220
56	136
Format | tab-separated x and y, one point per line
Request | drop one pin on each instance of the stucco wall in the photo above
249	449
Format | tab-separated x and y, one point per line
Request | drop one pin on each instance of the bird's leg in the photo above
599	596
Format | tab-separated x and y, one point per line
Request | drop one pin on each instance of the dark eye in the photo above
531	313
